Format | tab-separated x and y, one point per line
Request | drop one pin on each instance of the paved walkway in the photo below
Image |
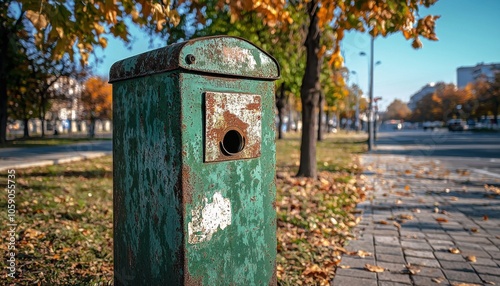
424	223
11	158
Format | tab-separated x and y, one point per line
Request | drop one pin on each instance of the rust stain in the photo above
227	112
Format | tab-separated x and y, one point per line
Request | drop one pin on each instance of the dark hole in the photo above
232	143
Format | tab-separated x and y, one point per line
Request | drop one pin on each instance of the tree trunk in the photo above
280	105
320	116
309	93
4	40
26	133
42	116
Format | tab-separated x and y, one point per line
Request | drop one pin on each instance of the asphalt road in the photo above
11	158
478	152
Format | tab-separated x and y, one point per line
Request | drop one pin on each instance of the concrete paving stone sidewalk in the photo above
424	223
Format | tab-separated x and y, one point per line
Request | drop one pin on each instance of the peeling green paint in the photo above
179	220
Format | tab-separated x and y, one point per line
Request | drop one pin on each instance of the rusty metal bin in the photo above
194	165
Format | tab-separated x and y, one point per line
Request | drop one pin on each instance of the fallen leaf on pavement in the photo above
454	199
489	282
345	266
437	280
471	258
412	269
454	250
405	216
485	217
407	188
374	268
441	219
398	202
397	225
474	229
465	284
363	254
382	222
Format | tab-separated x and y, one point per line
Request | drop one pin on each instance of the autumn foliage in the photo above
97	98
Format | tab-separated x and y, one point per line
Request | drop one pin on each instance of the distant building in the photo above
427	89
466	75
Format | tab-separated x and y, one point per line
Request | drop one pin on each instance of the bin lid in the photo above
219	55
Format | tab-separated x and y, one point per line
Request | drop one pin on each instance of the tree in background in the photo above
486	97
397	110
96	100
376	17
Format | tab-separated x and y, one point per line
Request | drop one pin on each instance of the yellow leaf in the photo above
454	250
471	258
437	280
413	270
315	271
38	20
407	188
363	254
103	42
374	268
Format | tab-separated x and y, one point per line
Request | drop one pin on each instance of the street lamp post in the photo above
376	99
371	137
356	123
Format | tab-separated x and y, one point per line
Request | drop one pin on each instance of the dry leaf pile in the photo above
314	220
64	225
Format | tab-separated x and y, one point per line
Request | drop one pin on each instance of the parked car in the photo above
457	125
432	125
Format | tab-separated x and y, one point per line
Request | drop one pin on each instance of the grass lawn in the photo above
64	219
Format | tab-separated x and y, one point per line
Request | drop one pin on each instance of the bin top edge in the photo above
219	55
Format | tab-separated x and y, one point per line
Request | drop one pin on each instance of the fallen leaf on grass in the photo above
374	268
315	271
412	269
437	280
454	250
471	258
441	219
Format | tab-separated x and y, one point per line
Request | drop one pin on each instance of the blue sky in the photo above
468	32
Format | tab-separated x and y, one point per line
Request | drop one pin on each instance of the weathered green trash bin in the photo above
194	165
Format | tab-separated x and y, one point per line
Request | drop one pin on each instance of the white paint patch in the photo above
208	219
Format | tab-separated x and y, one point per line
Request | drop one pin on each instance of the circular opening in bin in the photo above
232	143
